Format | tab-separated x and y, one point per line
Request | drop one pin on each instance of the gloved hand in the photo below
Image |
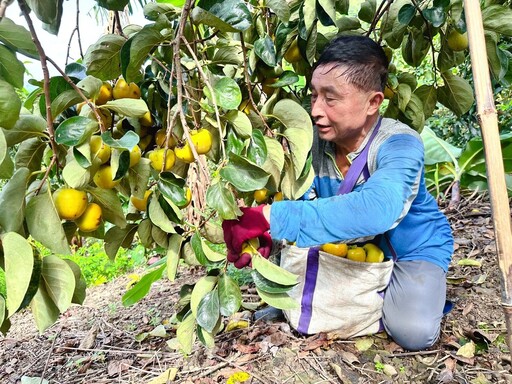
244	259
252	224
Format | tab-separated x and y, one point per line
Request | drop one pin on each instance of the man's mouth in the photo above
323	128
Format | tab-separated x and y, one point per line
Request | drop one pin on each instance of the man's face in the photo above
340	110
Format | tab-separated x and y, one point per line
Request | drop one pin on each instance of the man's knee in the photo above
412	335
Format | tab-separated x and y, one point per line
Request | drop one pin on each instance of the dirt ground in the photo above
97	342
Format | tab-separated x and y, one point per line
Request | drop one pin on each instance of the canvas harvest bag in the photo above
337	294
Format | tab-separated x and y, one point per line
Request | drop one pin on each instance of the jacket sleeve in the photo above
371	209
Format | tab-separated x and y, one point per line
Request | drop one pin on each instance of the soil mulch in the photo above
104	342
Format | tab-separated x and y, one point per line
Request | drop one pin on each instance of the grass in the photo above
96	266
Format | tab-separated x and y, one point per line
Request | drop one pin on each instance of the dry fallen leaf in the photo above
467	350
165	377
364	344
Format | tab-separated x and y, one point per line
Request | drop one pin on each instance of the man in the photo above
347	90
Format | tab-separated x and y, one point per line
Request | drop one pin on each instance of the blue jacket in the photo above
394	200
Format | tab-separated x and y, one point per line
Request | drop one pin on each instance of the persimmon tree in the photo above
168	128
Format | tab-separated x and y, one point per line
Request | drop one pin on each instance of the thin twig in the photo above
48	358
46	84
79	91
179	80
210	88
249	85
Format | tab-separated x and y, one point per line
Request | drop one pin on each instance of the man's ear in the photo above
374	102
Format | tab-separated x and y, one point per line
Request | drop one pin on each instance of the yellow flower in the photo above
238	377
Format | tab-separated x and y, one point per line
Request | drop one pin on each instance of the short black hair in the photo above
365	62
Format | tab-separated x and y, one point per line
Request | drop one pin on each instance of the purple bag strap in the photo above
359	165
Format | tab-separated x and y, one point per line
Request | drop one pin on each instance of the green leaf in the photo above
286	78
497	58
392	30
12	201
136	50
244	175
18	265
30	154
367	11
119	237
138	176
294	189
299	151
75	131
265	50
43	308
226	93
230	296
207	338
208	311
17	38
414	113
299	130
80	283
185	333
120	162
456	94
45	10
11	69
436	16
437	150
112	209
6	168
204	254
141	288
128	107
10	105
404	96
59	281
65	100
428	95
158	216
240	123
222	199
234	143
327	7
173	255
406	14
75	175
266	285
227	15
272	271
257	149
172	187
113	5
44	224
26	127
102	59
204	285
280	8
498	18
274	162
278	300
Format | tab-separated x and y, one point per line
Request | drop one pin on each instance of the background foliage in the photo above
209	97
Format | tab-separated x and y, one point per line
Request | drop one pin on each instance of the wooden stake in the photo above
487	117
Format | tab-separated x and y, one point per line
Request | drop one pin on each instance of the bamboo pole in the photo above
487	117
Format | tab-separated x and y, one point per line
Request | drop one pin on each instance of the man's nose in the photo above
316	109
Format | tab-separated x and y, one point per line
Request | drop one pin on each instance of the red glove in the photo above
244	259
250	225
